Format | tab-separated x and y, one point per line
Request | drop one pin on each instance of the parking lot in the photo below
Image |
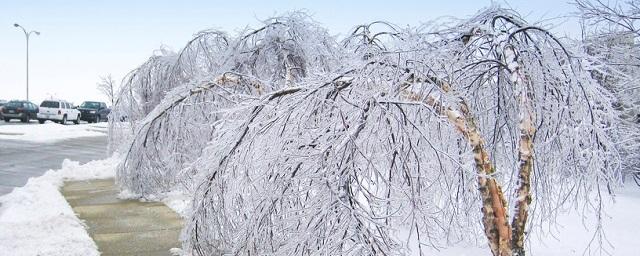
21	159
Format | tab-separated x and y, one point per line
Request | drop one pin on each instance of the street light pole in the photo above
27	34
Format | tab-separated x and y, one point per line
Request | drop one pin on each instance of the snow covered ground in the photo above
574	235
620	226
51	132
37	220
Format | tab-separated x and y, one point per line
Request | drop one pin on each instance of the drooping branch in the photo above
392	139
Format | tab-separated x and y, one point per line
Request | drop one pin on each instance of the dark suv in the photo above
2	102
19	109
93	111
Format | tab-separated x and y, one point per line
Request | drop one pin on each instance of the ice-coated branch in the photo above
610	35
392	140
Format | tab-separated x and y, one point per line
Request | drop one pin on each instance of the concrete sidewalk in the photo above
123	227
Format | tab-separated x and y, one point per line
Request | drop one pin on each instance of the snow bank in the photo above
51	132
37	220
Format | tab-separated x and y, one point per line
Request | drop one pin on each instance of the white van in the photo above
58	111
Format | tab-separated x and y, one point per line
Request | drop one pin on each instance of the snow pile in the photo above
37	220
51	132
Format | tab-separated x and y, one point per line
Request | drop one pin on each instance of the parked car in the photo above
19	109
58	111
2	102
93	111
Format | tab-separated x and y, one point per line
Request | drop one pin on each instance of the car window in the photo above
90	104
14	104
50	104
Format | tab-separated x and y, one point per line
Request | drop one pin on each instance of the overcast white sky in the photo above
83	40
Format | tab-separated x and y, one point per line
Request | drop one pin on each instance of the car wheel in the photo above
64	120
77	121
7	119
25	118
41	121
97	119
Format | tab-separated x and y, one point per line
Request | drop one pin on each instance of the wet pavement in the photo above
20	160
123	227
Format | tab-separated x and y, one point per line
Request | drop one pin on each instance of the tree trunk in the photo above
525	150
494	209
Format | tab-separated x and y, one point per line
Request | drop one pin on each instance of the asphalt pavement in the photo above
21	160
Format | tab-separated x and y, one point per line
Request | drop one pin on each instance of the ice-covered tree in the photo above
283	51
610	35
107	86
390	141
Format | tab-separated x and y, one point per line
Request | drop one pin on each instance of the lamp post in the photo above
27	34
